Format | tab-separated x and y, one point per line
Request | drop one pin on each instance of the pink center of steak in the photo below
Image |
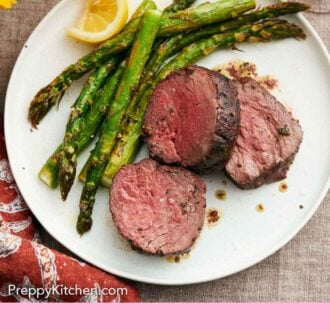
268	139
159	209
183	118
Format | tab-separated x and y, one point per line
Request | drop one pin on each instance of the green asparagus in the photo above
172	45
47	96
130	82
205	14
121	155
50	170
82	105
178	5
147	76
88	93
127	146
171	24
140	11
168	48
259	32
91	123
176	43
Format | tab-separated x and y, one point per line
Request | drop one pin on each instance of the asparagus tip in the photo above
64	189
67	175
33	117
66	182
64	194
83	224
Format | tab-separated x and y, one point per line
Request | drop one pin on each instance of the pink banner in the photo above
169	316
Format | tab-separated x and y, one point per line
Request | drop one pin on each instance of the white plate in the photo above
244	236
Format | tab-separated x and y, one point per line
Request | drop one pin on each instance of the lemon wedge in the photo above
7	3
101	20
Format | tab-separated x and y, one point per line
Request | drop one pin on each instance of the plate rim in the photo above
264	254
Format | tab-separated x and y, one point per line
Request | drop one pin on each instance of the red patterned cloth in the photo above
31	272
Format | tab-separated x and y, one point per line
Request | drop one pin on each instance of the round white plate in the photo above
243	237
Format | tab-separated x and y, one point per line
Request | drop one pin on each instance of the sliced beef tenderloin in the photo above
268	140
192	119
159	209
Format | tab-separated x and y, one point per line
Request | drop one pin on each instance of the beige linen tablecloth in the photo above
298	272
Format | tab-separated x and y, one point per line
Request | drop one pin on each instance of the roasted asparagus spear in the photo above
91	123
127	146
138	57
171	24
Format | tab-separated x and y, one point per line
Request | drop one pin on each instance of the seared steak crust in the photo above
159	209
268	139
193	119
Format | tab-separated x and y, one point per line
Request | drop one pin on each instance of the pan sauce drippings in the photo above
260	208
221	194
177	259
238	69
283	187
213	216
